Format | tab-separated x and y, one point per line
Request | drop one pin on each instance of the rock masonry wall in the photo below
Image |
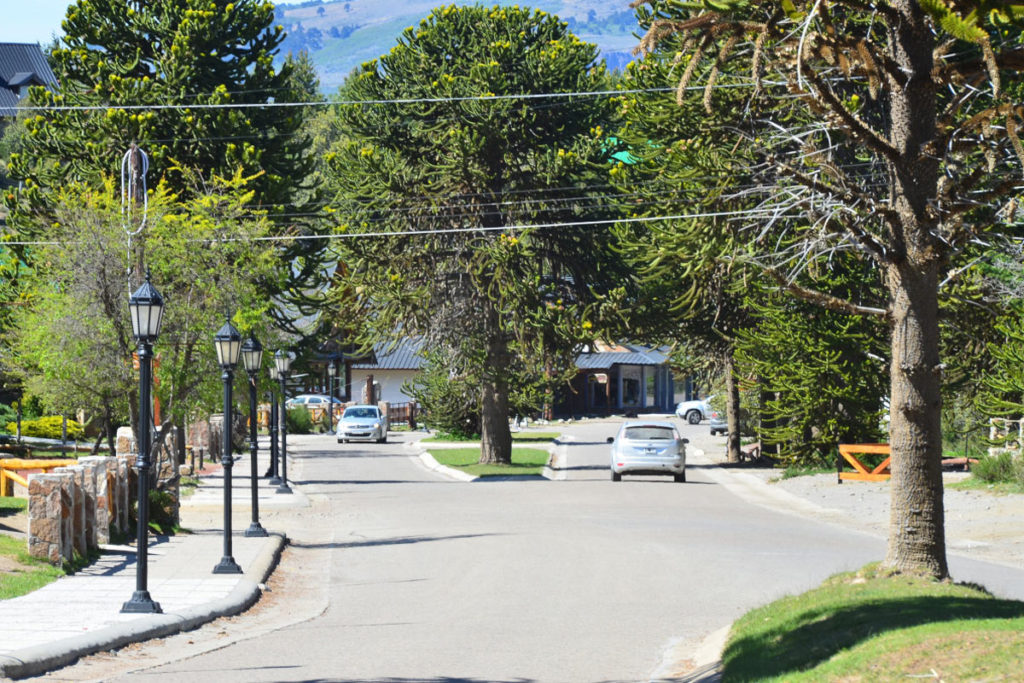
76	508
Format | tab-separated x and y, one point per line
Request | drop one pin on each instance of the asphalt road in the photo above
400	574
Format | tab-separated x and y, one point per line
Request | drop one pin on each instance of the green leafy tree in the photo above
692	291
71	341
445	175
191	81
929	176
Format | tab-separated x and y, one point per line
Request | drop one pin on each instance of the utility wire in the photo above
449	231
409	100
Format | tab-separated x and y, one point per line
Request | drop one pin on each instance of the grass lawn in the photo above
516	436
19	573
524	461
535	436
870	626
11	503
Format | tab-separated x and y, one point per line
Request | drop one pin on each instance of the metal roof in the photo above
636	355
21	64
403	355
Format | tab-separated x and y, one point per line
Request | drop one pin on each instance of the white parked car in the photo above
363	422
648	447
311	401
694	411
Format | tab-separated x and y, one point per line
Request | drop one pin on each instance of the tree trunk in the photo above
495	435
917	540
916	525
732	409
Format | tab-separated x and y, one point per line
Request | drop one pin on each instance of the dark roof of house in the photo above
403	355
634	354
21	64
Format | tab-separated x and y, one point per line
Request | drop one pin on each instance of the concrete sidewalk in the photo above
81	614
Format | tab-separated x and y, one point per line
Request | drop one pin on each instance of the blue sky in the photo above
36	21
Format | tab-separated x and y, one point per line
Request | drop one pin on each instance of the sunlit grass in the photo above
870	625
525	461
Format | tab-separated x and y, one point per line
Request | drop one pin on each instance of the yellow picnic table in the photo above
849	453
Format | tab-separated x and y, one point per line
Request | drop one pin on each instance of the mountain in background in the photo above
342	34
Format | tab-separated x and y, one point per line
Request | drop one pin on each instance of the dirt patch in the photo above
13	523
9	566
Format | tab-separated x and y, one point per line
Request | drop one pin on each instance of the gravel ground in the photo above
979	524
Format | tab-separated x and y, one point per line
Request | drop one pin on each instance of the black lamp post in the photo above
275	478
228	343
252	358
283	362
147	311
332	370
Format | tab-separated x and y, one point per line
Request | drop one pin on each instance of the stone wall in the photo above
74	509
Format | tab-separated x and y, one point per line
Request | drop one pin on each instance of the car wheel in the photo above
616	476
681	477
694	417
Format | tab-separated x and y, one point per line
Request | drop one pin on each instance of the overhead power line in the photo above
449	231
409	100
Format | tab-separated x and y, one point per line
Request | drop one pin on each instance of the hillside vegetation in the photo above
340	35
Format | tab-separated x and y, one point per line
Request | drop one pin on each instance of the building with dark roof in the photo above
21	65
620	378
612	378
389	367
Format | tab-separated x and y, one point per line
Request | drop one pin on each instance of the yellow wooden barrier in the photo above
9	475
849	451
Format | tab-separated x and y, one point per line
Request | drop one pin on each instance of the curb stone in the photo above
42	658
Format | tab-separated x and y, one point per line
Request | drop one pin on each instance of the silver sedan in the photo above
648	447
363	422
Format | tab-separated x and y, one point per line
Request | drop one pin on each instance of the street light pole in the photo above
332	370
228	343
284	363
147	308
275	478
252	358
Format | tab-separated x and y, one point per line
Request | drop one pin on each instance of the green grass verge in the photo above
27	573
524	461
13	503
871	626
445	437
535	436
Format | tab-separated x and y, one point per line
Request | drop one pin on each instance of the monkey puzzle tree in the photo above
193	82
901	156
445	156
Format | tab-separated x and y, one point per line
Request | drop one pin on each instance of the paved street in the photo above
427	579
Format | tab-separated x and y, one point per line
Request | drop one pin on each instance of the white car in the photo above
694	411
311	401
648	447
363	422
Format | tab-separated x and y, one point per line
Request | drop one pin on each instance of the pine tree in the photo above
459	164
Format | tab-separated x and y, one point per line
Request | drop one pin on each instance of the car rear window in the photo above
650	433
360	412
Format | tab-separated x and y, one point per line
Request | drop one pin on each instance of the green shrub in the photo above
48	428
162	512
299	421
1000	468
8	417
